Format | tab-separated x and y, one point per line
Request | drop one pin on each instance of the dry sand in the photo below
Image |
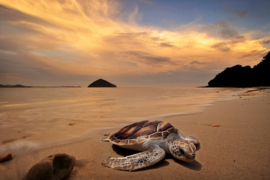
238	149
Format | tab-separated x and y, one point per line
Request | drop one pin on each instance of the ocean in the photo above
52	114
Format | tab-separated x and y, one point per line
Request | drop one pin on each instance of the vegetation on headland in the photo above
238	76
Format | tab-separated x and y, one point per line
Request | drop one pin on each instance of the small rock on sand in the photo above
6	158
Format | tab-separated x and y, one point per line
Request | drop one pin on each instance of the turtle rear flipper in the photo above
136	161
192	139
105	139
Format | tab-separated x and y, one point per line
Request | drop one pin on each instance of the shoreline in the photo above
240	92
238	149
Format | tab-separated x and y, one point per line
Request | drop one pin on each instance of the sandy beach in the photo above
238	149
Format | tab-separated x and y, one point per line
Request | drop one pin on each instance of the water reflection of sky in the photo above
50	111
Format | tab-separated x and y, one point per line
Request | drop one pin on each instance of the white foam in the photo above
19	147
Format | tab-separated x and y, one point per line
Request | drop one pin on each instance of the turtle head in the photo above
183	150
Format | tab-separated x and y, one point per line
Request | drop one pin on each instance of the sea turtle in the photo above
154	139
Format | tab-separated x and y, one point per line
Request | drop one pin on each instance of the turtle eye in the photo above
182	152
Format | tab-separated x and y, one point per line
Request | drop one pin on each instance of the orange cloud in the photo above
105	44
10	75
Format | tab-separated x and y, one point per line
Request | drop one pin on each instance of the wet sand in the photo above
238	149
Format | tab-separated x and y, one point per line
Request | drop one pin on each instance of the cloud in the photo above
9	45
146	63
132	18
166	45
221	46
146	57
242	13
239	12
8	14
92	38
10	75
128	38
254	55
221	29
265	41
196	62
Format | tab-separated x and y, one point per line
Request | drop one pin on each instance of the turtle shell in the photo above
141	131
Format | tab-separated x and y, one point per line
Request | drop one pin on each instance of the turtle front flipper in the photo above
136	161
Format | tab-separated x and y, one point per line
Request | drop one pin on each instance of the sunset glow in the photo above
78	41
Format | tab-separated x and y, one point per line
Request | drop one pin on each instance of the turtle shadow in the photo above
194	165
127	152
80	163
122	151
198	147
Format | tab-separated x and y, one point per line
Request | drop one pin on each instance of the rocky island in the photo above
239	76
101	83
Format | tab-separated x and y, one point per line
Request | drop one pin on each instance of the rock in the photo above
101	83
54	167
238	76
6	158
215	125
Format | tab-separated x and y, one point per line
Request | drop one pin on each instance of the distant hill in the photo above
22	86
101	83
14	86
238	76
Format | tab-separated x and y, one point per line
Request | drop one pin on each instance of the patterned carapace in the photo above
141	131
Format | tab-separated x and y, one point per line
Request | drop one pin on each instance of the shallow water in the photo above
50	114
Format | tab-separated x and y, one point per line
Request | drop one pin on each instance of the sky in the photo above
130	43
